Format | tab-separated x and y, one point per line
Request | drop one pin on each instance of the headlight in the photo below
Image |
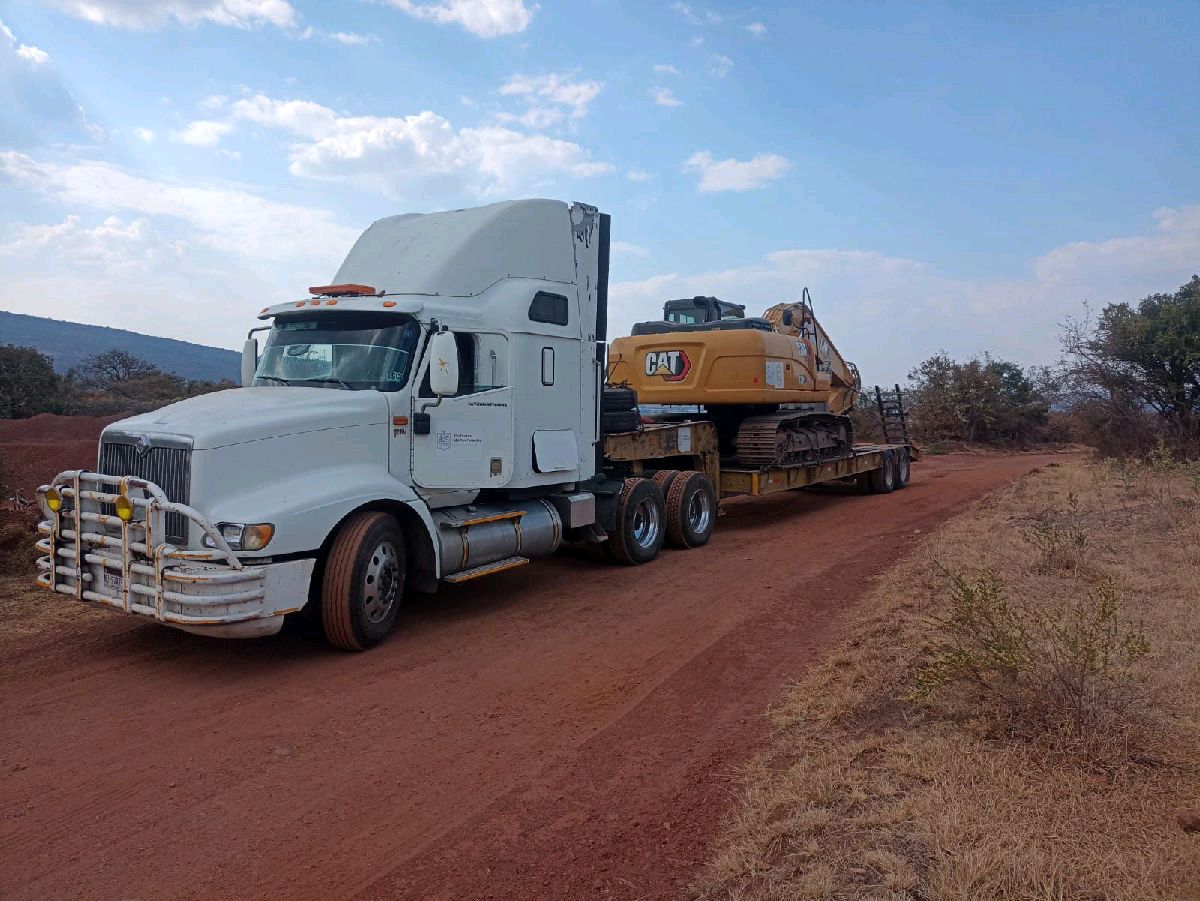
241	537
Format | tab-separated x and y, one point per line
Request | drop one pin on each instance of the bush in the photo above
1063	672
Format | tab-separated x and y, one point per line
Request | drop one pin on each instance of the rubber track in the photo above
676	536
339	573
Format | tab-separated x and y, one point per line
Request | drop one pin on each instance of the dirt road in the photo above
565	730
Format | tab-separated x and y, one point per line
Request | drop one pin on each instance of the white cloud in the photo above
638	175
27	52
232	220
695	16
719	66
888	313
697	41
149	14
204	132
624	248
736	175
483	18
144	134
665	69
758	29
421	155
559	90
352	38
114	247
32	54
665	97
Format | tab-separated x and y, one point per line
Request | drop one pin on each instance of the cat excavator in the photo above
774	385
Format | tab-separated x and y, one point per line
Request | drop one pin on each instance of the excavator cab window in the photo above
694	310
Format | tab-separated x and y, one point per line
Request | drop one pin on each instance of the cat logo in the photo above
672	365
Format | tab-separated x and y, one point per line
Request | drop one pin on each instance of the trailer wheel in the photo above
691	510
640	514
363	582
663	479
903	467
883	479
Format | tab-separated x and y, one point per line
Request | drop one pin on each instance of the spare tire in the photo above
617	399
623	421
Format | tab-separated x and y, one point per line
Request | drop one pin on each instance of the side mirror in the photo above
787	318
443	364
249	361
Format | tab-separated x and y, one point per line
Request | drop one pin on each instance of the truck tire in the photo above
691	510
621	421
663	479
903	467
883	479
363	581
640	514
617	400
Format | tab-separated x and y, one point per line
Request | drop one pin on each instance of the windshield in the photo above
340	350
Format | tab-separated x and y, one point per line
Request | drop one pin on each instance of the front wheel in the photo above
640	514
363	581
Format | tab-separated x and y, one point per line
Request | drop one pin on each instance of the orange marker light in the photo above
331	303
389	303
399	420
264	309
299	303
315	303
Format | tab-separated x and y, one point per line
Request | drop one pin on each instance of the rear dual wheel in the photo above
691	510
640	528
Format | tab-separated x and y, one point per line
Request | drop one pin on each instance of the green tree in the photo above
1146	357
982	399
28	383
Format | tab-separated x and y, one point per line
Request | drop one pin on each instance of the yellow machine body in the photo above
787	359
743	366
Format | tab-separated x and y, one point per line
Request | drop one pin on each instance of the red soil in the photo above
35	450
564	730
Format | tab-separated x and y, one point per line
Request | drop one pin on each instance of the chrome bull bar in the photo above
120	561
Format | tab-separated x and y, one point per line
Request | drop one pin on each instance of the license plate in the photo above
114	582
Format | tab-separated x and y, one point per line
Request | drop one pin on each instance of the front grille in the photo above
170	468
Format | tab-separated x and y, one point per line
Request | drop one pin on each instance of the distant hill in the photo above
70	343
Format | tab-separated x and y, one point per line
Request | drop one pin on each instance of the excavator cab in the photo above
701	314
693	310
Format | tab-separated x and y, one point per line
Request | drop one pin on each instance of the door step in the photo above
487	569
479	520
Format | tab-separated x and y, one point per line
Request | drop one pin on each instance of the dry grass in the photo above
870	793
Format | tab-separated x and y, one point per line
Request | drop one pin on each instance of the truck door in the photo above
470	439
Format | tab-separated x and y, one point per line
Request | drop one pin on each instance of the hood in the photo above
239	415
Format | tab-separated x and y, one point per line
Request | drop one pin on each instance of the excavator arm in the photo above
798	321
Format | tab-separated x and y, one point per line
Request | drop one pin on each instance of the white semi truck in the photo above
438	413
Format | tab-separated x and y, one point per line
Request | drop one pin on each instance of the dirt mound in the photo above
34	450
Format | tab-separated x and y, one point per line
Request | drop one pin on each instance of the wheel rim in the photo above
699	512
381	582
646	523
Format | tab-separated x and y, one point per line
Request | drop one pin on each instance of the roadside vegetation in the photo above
106	383
1014	714
1128	381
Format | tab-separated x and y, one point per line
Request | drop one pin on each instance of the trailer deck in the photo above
693	445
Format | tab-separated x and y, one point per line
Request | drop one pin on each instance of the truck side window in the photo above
549	308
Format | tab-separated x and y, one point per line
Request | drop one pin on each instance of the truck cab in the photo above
438	401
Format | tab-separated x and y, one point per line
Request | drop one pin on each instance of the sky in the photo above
941	176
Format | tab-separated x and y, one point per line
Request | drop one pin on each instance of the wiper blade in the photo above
334	381
273	378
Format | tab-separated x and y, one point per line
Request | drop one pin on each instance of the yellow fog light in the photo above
124	508
54	500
